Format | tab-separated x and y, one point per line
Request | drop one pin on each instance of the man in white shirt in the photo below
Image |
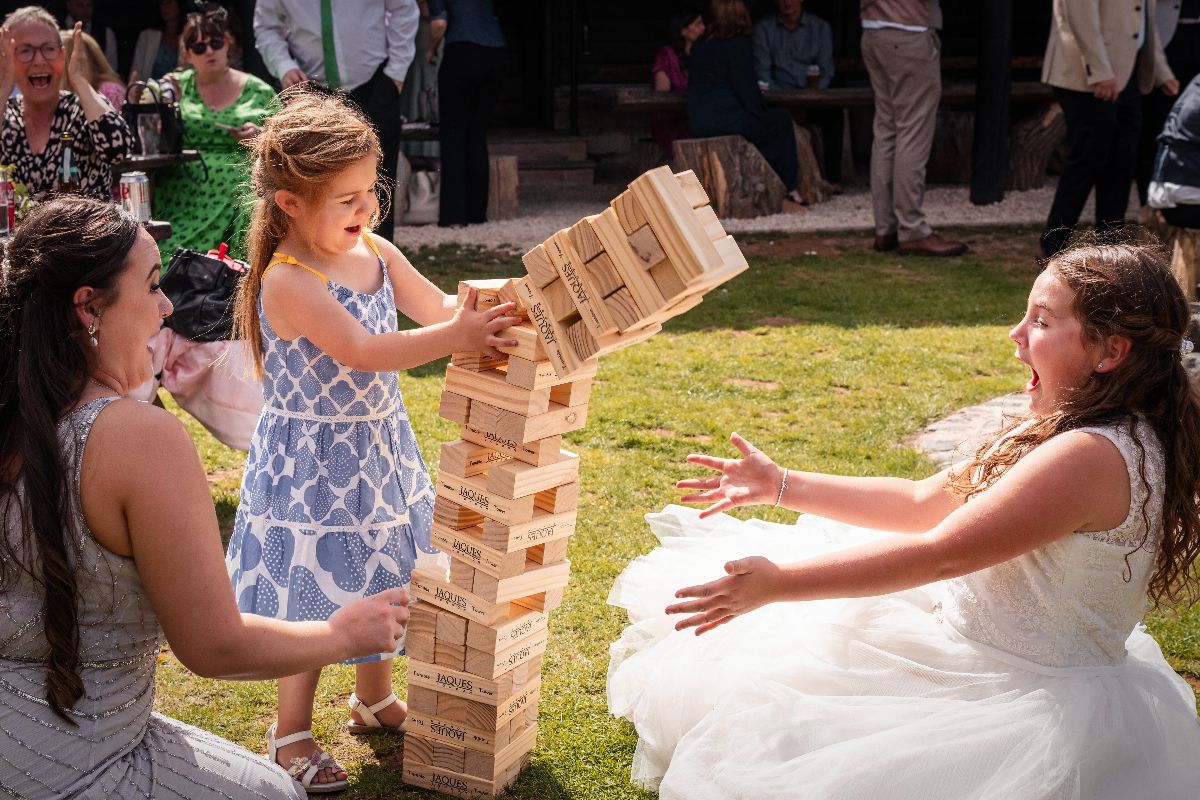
364	49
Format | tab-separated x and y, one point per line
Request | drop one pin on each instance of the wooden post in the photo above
989	155
502	188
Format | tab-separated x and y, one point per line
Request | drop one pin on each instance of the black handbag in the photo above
165	111
202	289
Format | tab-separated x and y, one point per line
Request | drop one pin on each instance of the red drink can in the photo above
135	195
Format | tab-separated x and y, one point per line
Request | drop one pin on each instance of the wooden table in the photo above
150	163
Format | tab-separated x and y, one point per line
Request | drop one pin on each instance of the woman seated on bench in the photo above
1175	185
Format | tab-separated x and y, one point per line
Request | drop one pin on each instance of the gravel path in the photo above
546	209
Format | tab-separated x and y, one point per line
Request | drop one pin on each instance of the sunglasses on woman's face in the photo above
201	47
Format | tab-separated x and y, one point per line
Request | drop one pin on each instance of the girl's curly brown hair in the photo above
1124	290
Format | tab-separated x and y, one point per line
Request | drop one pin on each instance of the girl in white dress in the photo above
991	647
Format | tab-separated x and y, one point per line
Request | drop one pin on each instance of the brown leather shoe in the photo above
932	245
884	243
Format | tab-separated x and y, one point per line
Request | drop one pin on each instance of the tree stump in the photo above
1183	260
739	181
813	186
502	187
950	155
1034	140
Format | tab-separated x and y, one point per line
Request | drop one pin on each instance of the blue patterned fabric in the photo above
336	503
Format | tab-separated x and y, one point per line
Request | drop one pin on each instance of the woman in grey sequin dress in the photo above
111	501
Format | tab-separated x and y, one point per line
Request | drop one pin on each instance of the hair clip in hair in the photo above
1185	347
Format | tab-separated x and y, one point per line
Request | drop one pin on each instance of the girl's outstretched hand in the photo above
751	480
750	583
477	329
373	624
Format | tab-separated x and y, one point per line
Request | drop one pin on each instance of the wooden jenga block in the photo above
467	545
419	633
553	335
431	588
519	625
584	240
537	264
559	300
502	767
503	424
536	579
529	344
462	575
576	393
454	516
450	656
645	246
541	374
467	458
449	757
454	407
620	304
472	493
450	628
464	684
487	292
558	500
422	699
674	223
581	340
627	263
489	664
544	527
548	553
692	189
507	293
603	274
482	765
518	479
491	387
476	362
629	212
668	280
583	292
418	749
482	739
538	451
709	222
546	602
734	263
482	716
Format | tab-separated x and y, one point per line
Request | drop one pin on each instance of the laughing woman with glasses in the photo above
221	106
33	60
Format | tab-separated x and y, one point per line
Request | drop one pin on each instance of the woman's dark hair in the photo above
1125	290
728	19
682	17
61	245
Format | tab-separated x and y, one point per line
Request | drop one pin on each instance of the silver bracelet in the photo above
782	487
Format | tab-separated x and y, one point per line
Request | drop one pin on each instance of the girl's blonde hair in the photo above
1124	290
99	70
316	135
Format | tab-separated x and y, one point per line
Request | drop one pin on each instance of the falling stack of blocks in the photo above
507	491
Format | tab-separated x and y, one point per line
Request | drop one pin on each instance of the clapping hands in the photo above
78	68
750	480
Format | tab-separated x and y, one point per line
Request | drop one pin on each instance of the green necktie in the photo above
332	77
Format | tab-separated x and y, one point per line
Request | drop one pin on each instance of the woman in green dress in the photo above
221	107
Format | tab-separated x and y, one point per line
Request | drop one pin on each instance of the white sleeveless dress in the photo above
1029	679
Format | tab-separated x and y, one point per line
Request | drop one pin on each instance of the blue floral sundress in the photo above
336	503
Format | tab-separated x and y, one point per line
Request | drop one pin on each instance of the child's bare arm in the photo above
1074	482
416	296
297	302
893	504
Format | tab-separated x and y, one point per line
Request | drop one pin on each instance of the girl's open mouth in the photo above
1033	381
355	229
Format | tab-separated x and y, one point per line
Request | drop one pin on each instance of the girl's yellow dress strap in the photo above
370	240
282	258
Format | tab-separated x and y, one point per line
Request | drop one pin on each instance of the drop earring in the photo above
92	334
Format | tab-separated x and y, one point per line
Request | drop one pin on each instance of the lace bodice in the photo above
1072	603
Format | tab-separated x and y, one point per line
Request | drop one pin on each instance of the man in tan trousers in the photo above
902	52
1101	57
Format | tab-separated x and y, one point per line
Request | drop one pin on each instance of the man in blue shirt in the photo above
789	44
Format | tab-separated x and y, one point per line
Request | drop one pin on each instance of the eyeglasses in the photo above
201	47
50	52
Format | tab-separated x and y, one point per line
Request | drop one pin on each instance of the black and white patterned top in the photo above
97	144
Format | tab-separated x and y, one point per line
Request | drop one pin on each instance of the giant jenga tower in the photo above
507	491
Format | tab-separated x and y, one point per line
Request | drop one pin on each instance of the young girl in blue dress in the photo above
335	502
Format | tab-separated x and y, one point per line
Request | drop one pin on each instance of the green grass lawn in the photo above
826	355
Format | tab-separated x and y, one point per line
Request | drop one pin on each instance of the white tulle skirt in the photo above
873	698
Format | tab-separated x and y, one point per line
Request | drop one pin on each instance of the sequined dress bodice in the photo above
1072	603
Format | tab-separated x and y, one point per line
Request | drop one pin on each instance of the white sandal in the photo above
304	769
370	722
